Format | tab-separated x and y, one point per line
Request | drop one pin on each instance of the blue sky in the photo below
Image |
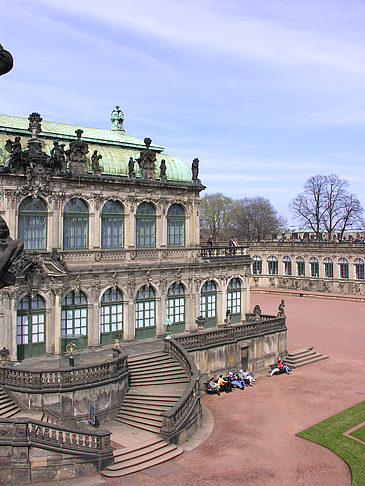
265	93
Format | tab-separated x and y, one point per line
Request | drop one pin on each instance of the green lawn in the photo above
329	433
359	433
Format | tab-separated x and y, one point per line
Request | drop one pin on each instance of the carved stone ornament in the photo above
281	312
201	322
147	161
163	176
29	268
10	251
131	171
57	161
76	155
257	313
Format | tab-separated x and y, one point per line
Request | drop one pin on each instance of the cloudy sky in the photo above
265	93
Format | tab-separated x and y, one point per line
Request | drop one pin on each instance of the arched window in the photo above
234	299
257	265
146	226
300	266
328	267
75	225
111	315
176	307
343	264
176	226
287	266
359	269
272	265
314	264
32	223
31	327
112	225
74	319
208	303
145	313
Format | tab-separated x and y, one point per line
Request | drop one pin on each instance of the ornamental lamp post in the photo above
167	324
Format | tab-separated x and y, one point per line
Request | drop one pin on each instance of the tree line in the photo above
325	206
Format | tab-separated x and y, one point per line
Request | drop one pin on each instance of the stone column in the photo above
245	295
58	291
160	316
223	304
220	305
129	316
93	324
161	230
12	327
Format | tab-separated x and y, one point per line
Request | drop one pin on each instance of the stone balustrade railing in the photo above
56	380
27	432
222	251
234	331
187	411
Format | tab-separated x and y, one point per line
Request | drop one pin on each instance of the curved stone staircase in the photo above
157	382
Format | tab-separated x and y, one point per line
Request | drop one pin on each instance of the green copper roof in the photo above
115	147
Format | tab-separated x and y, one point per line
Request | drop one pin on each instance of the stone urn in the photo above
201	322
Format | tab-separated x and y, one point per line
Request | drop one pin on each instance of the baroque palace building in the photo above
110	226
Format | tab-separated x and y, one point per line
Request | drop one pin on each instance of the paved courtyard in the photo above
253	441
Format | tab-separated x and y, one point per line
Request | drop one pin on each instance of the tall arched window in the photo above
272	265
176	307
111	315
359	269
287	266
343	264
146	226
145	313
234	299
176	226
32	223
112	225
314	264
257	265
300	266
208	303
31	327
74	318
328	267
75	225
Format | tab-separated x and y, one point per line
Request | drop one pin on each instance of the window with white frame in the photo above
343	264
257	265
314	266
359	269
32	223
287	266
272	265
300	266
328	267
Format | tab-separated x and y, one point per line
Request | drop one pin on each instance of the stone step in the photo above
136	360
163	361
311	360
167	381
297	359
140	418
148	453
298	352
9	410
149	403
157	370
154	460
136	450
150	410
149	428
145	406
157	377
153	398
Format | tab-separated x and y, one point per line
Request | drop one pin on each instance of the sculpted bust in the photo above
9	250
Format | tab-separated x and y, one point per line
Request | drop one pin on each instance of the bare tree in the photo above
326	204
310	205
256	219
215	215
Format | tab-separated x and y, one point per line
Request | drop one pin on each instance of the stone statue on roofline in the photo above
147	161
57	161
163	176
195	170
76	154
117	119
131	171
6	61
9	251
95	163
16	162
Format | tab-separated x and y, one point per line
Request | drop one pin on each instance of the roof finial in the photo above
117	119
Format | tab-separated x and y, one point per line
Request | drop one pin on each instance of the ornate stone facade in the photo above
309	266
114	248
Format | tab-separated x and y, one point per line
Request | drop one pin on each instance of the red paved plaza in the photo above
253	440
